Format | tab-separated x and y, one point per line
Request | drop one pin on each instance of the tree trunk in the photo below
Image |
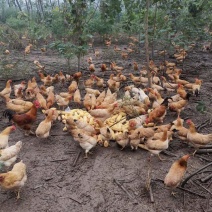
147	43
154	26
19	6
27	6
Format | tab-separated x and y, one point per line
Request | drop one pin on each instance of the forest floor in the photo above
58	183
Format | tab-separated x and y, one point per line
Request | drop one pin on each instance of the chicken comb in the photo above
13	127
188	121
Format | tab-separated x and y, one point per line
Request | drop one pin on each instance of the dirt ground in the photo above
59	183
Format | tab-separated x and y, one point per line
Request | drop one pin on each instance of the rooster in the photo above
25	120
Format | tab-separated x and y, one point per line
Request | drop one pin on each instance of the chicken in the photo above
89	82
7	90
20	94
168	64
41	100
122	139
89	101
179	105
99	82
181	130
77	97
169	86
44	127
195	138
86	127
17	87
104	67
62	78
92	91
4	136
113	85
140	95
32	84
91	68
50	99
116	49
162	128
158	100
194	87
181	91
18	105
116	68
86	142
124	55
14	179
62	102
135	80
135	66
100	98
27	49
158	114
103	114
137	122
77	76
176	172
97	53
37	63
9	155
47	81
108	100
55	114
72	87
25	120
89	60
155	146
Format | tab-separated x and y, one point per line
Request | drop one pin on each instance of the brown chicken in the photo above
25	120
181	91
104	67
89	82
155	146
72	87
44	127
63	102
77	97
14	179
47	81
7	90
179	128
194	87
158	114
179	105
176	173
195	138
27	49
41	100
99	82
103	114
122	139
18	105
91	68
135	80
50	99
62	78
77	76
4	136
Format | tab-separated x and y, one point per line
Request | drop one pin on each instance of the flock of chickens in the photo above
135	119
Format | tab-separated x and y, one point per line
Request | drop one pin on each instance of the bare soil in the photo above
56	183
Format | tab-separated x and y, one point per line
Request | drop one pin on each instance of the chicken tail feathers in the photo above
196	92
8	114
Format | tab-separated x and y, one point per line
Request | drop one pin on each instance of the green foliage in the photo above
201	107
17	24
